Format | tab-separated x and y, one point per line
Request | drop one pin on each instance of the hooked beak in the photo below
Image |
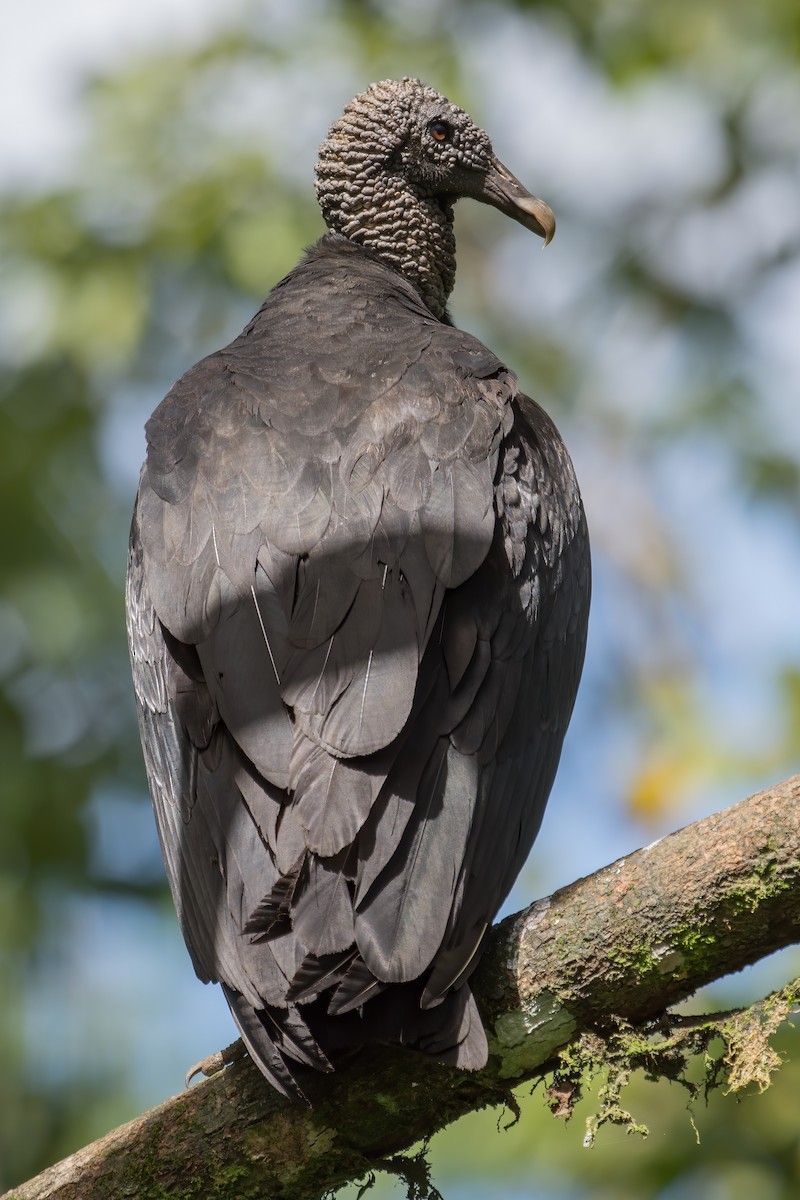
502	190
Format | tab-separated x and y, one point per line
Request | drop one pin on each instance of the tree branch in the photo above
617	947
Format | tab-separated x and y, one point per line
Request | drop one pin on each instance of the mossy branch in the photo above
591	969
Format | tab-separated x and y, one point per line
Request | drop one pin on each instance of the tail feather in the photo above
282	1040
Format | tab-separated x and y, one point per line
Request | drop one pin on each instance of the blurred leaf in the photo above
193	197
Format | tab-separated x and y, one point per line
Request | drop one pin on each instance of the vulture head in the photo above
391	169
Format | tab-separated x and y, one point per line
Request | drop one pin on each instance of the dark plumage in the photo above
357	603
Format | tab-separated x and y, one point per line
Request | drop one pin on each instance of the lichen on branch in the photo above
734	1048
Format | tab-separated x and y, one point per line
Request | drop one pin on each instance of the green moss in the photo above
640	961
763	884
234	1181
227	1177
697	944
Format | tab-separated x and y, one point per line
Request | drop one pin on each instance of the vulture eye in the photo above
440	131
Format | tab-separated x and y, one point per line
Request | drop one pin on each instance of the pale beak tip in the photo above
547	220
538	217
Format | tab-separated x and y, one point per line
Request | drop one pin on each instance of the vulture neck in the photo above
412	233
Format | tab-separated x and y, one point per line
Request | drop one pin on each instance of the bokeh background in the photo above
155	180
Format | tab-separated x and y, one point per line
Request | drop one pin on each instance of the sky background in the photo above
607	157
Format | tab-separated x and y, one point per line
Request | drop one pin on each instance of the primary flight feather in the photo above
357	598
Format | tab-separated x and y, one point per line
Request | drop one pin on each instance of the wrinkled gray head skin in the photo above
393	165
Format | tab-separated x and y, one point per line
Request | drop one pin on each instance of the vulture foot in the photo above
214	1063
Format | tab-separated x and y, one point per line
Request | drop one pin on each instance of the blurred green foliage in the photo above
193	196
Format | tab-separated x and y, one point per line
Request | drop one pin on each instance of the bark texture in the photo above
622	944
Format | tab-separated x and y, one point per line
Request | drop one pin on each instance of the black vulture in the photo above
357	599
